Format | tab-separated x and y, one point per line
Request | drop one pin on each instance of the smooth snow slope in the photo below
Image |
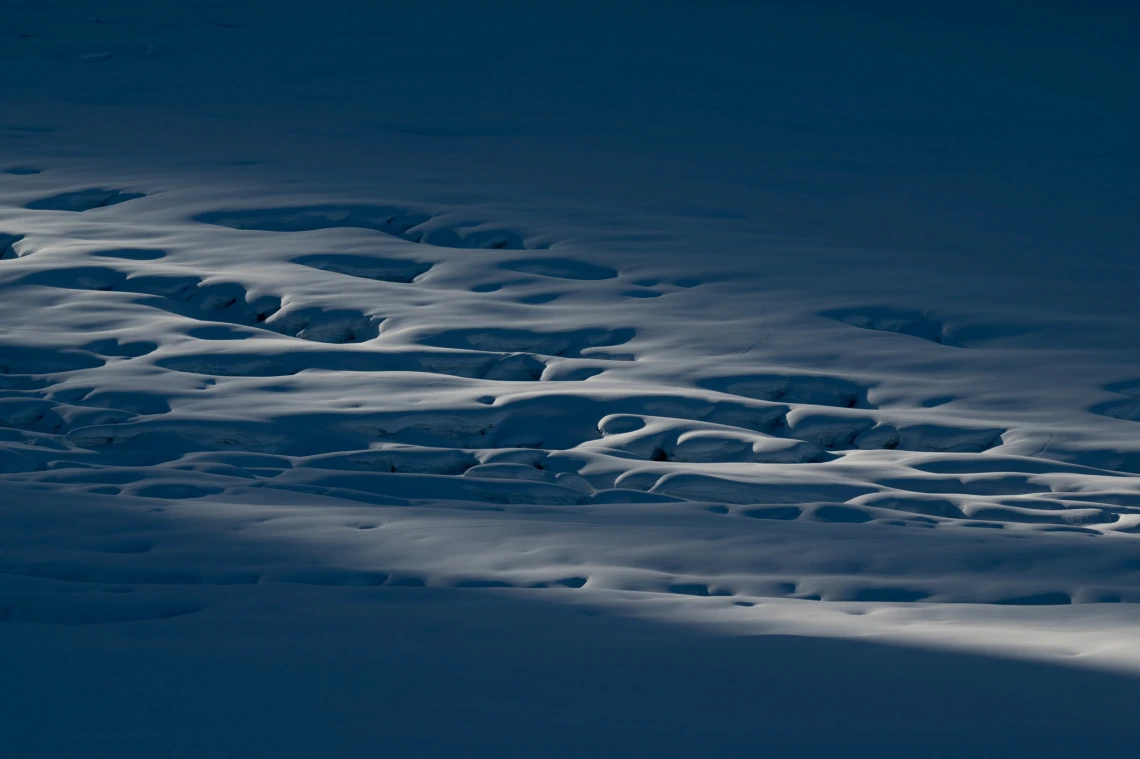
514	379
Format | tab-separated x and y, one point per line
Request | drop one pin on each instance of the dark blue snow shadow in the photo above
1125	407
923	325
134	643
83	200
423	670
7	242
412	226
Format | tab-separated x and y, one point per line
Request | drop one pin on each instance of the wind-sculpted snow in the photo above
499	413
667	379
195	386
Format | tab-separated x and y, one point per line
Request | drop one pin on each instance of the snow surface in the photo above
564	379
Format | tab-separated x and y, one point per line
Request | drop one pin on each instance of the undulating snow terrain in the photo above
566	379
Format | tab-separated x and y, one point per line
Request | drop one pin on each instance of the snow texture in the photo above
565	379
